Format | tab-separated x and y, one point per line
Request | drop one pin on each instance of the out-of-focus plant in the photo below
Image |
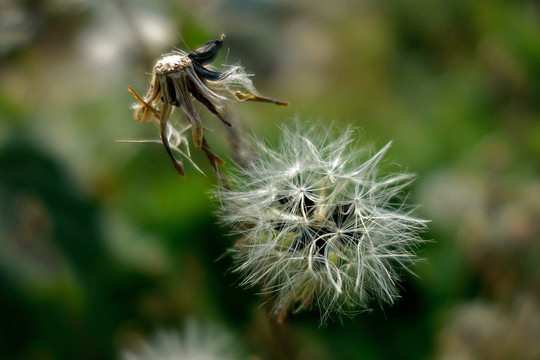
196	341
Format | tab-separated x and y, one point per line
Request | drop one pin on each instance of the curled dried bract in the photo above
179	76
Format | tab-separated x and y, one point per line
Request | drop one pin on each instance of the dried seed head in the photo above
171	64
319	227
177	78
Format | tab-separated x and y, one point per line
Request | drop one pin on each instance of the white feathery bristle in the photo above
320	228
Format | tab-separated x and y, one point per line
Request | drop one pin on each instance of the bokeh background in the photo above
101	243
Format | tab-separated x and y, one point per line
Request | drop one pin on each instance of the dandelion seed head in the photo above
320	227
196	341
180	78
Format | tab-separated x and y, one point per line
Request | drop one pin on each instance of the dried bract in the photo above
179	76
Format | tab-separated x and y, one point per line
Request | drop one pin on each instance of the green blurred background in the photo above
101	243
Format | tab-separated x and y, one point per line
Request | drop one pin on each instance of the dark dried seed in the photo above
172	92
200	97
207	74
208	52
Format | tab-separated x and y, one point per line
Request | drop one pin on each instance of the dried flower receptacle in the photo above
179	76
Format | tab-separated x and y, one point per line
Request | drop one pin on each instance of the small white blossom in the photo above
197	341
320	228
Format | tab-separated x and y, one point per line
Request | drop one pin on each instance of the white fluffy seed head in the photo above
319	226
197	341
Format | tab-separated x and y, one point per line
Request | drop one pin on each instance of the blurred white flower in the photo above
319	227
197	341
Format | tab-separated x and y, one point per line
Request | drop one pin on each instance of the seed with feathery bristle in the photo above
319	226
